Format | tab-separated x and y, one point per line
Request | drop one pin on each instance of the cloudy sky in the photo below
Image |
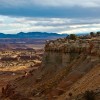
61	16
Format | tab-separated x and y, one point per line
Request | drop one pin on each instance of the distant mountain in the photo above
35	35
82	34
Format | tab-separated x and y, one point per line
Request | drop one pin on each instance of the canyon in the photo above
70	70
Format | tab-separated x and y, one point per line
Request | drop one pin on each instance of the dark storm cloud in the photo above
33	8
75	12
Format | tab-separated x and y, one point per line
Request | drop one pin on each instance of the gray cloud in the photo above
53	3
59	25
50	8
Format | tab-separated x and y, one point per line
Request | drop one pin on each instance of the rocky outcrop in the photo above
70	46
79	57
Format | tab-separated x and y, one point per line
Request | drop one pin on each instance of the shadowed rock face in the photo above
61	53
9	59
56	59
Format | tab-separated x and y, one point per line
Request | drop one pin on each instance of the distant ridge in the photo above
35	35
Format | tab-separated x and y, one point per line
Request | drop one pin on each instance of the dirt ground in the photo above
5	77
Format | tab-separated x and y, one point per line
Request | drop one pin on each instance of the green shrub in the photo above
73	37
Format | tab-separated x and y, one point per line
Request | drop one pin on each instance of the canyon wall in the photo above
61	52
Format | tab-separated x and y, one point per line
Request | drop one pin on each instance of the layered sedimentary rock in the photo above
80	56
70	46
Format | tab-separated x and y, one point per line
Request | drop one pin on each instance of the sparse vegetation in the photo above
92	34
89	95
72	36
